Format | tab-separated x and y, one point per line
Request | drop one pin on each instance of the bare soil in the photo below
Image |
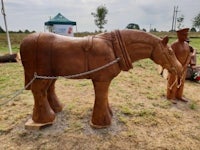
143	118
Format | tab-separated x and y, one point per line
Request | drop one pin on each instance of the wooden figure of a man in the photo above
182	51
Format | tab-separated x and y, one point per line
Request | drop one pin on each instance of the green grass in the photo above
15	39
193	106
11	77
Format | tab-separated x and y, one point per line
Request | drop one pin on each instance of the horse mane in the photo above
131	36
105	35
136	36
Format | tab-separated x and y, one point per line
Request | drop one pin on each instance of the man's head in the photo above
182	34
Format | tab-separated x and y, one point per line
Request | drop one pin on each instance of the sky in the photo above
31	14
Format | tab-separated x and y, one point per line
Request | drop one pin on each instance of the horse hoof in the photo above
43	118
98	126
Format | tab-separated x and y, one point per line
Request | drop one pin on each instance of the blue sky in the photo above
31	14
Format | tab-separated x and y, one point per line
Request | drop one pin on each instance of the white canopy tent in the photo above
60	25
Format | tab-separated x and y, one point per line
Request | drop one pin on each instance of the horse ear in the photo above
165	40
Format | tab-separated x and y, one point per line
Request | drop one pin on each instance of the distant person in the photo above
193	60
182	51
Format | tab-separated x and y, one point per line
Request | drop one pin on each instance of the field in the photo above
143	118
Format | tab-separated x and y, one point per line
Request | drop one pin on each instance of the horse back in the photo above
53	55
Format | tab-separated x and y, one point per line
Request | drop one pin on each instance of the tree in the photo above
133	26
144	30
153	30
100	16
1	30
180	21
196	21
193	29
20	31
26	31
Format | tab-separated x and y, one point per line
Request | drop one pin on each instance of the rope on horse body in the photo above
15	94
80	74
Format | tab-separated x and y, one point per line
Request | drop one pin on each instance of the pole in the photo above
173	19
150	28
7	33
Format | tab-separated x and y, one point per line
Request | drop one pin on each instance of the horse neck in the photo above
139	44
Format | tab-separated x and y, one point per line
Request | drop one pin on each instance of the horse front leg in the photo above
42	112
53	99
102	113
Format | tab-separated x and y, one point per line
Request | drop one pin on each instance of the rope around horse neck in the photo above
15	94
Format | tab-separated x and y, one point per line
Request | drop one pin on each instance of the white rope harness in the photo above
176	81
79	74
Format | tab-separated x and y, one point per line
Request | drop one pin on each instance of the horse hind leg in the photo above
53	99
42	112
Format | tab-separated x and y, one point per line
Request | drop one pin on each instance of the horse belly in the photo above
68	61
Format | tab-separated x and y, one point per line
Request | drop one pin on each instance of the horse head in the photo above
165	56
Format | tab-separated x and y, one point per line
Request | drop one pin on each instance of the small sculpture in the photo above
183	54
49	54
193	70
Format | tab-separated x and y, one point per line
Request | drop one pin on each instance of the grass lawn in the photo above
143	118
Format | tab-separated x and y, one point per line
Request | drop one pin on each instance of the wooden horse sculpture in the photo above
53	55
